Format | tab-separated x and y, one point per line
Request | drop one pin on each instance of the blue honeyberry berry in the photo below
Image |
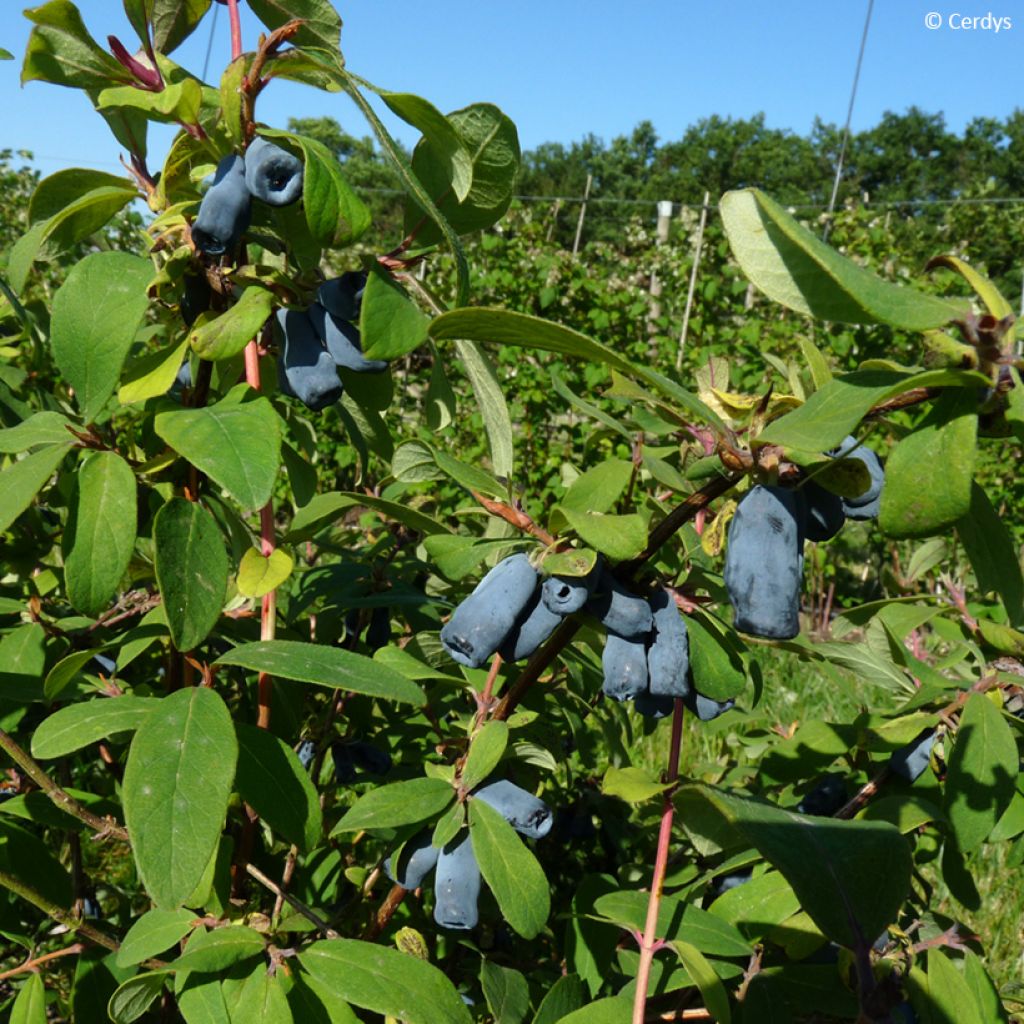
534	625
416	859
342	296
342	341
625	668
653	706
526	813
481	622
370	758
565	595
225	209
345	772
705	708
620	611
305	753
867	504
379	631
305	366
272	174
457	885
827	796
822	512
763	563
668	652
909	762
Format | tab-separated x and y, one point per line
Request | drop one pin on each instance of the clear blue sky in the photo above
565	68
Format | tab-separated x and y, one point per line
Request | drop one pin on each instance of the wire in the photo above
209	44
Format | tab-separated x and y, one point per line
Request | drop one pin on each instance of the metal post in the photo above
698	249
583	213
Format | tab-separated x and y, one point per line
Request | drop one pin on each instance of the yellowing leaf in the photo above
259	574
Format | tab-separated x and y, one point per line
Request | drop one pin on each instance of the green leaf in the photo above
851	876
390	323
101	535
96	313
152	374
1002	638
154	933
491	402
177	782
30	1006
174	21
259	574
981	772
992	554
503	327
950	996
575	562
58	191
506	992
313	1003
135	996
385	981
510	869
324	666
755	907
446	147
77	725
401	803
336	216
226	335
794	267
986	290
321	22
610	1010
39	429
471	477
200	1000
619	537
718	658
835	410
324	509
177	103
262	999
26	857
485	751
60	50
929	475
6	54
191	570
22	480
983	989
711	989
271	780
634	785
565	996
492	143
216	951
599	488
23	663
236	443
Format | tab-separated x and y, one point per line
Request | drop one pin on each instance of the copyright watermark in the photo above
958	22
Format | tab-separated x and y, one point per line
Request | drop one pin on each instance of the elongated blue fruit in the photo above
343	296
370	758
225	210
457	885
625	667
415	861
826	798
567	594
620	611
305	366
909	762
762	563
379	632
534	625
345	772
483	620
723	883
651	706
307	748
822	511
272	175
866	505
526	813
705	708
342	341
668	653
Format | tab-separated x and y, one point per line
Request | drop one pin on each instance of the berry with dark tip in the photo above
763	563
567	594
479	624
620	611
272	174
668	653
225	210
625	668
457	885
909	762
305	368
526	813
341	339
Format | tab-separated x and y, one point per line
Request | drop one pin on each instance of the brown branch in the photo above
915	396
253	82
66	802
385	912
33	963
517	517
310	915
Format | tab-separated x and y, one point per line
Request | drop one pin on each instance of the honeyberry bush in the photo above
219	747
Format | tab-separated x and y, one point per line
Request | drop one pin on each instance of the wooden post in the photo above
554	220
698	249
583	213
661	237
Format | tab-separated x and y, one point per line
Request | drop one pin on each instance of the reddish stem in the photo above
649	944
236	29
